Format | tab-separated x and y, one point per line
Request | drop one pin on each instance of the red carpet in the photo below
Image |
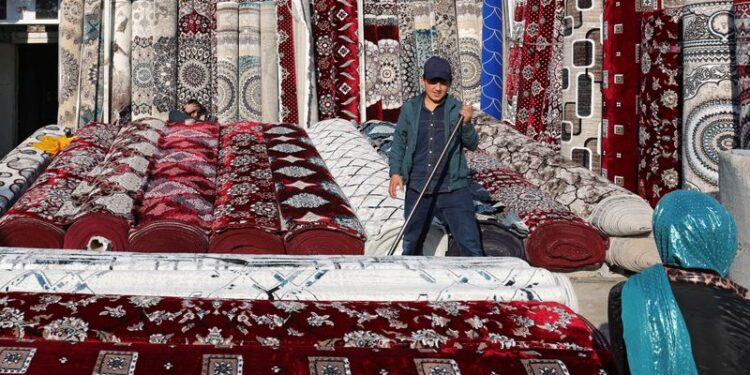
317	215
81	334
246	218
558	238
33	221
177	209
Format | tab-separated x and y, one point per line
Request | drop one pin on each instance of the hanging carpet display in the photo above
165	57
708	111
469	26
492	59
71	31
659	118
121	54
227	35
246	216
249	90
144	64
176	213
35	221
287	71
337	59
195	64
382	76
742	56
558	238
620	90
315	212
21	167
89	104
103	205
225	337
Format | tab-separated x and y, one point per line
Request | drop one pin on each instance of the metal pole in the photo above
455	131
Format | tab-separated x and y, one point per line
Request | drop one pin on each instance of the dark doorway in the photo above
37	87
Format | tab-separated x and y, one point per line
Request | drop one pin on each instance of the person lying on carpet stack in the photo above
424	126
192	111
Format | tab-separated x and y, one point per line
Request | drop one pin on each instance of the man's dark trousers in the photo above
456	208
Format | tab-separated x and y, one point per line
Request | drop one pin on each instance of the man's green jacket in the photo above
405	141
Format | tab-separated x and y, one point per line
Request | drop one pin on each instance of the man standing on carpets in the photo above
424	126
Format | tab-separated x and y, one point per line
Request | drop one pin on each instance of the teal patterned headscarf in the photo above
692	230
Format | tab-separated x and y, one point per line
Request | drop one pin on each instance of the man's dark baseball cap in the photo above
437	68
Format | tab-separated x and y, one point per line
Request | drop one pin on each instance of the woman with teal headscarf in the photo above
684	317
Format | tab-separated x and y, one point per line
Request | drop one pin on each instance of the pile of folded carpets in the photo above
177	209
316	214
72	334
558	238
246	216
20	167
35	220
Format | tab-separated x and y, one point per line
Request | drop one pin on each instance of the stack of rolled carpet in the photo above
35	220
618	213
558	238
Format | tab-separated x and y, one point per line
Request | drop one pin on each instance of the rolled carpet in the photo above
103	207
317	215
21	167
575	187
35	221
177	209
363	176
558	238
634	254
246	215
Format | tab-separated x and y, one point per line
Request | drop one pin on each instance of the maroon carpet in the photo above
317	216
246	217
34	221
177	210
104	209
558	238
83	334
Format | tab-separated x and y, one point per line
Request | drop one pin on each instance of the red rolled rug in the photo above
558	238
103	209
35	221
246	216
317	216
177	209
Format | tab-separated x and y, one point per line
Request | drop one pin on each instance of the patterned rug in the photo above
165	58
143	62
382	49
469	26
316	215
22	165
573	186
659	168
558	238
249	94
336	59
537	63
68	334
287	70
195	63
90	62
445	43
176	213
246	216
620	127
742	54
102	207
492	59
269	62
34	221
582	86
410	63
708	112
71	31
121	54
227	35
363	177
